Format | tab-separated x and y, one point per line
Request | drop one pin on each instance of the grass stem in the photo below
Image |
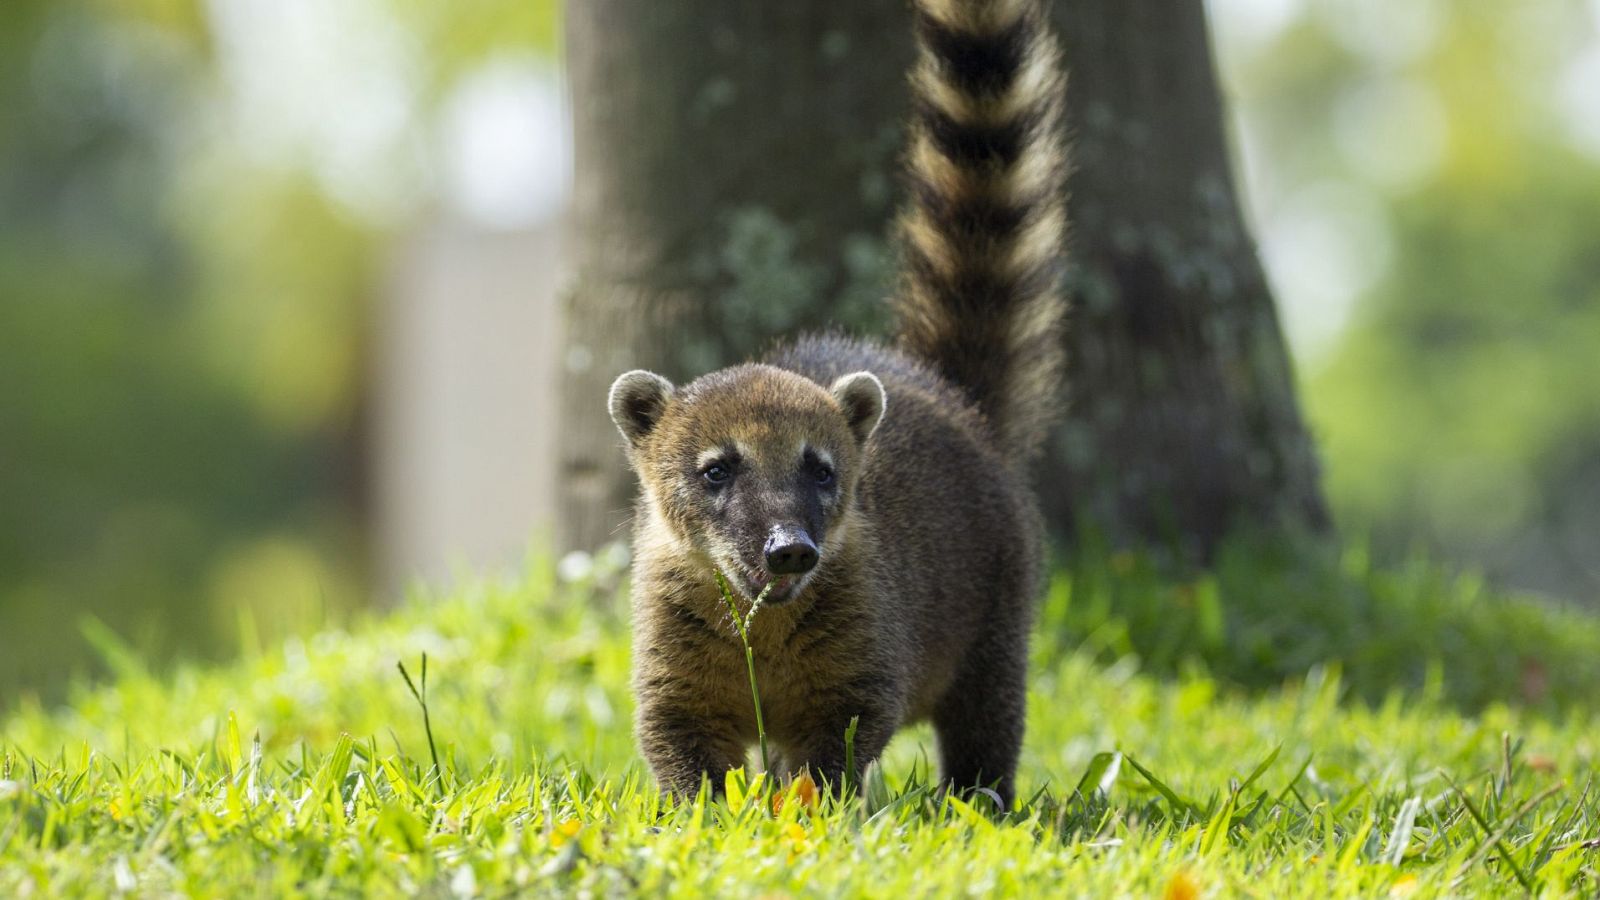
743	627
427	721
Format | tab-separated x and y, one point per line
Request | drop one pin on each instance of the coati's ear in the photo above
861	396
638	399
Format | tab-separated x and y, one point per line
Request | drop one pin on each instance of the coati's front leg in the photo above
682	747
820	747
694	719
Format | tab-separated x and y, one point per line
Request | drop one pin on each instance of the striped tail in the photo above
983	235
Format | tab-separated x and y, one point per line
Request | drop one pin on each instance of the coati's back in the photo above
875	496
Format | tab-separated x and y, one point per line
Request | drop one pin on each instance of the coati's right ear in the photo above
861	396
638	399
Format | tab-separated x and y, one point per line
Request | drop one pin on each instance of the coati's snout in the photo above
789	555
789	551
754	467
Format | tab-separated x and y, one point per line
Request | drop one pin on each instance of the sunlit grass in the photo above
308	769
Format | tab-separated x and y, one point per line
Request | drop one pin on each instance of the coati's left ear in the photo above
637	400
861	396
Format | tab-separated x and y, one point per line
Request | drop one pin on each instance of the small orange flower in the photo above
1183	886
804	790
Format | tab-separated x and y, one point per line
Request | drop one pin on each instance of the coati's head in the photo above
753	467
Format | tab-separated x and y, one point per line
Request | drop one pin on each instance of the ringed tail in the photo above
982	237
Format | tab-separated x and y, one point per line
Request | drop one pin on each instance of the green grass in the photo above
1193	766
1270	611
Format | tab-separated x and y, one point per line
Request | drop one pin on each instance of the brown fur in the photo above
909	480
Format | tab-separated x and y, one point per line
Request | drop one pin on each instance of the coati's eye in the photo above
821	470
717	474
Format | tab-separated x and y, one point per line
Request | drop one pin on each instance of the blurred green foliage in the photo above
1464	410
1459	412
183	314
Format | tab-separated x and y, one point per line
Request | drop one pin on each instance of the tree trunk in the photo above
735	168
736	174
1183	419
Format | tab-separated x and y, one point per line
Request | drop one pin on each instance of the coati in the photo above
879	492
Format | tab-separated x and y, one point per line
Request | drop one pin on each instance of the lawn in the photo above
1189	737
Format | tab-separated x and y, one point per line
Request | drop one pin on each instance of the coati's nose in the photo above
790	552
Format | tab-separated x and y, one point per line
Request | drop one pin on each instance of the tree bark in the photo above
735	179
1183	424
735	168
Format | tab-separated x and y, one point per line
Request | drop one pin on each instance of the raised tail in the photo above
983	235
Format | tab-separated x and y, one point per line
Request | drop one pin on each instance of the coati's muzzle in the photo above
789	551
787	556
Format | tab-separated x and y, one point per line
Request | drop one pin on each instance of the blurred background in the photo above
279	283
